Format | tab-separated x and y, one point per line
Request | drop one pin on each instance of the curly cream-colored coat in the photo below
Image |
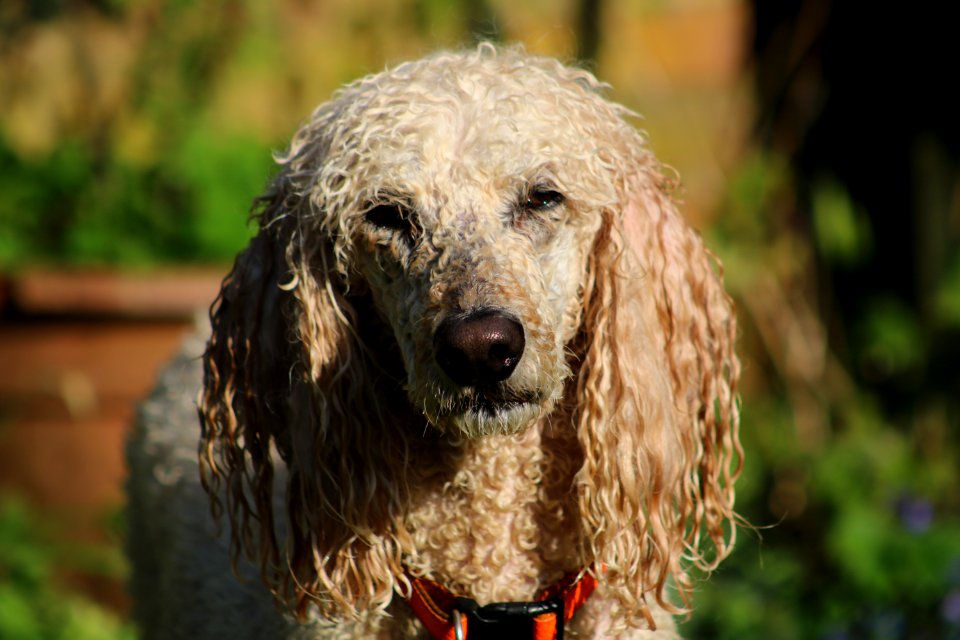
474	341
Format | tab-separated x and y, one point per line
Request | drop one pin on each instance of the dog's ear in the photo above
242	405
658	417
286	372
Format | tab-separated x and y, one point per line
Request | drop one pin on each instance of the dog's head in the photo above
463	195
485	232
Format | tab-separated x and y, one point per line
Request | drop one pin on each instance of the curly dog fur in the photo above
343	444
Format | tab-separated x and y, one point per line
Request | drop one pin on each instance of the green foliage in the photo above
841	230
744	238
853	496
32	607
891	338
182	195
73	207
222	177
874	552
947	296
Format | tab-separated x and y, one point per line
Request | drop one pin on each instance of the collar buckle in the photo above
508	620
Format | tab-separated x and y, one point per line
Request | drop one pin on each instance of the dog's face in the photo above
471	220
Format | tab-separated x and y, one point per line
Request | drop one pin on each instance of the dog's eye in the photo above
391	216
541	199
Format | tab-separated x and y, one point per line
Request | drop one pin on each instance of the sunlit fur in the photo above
614	443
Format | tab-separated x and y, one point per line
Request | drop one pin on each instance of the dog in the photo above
473	376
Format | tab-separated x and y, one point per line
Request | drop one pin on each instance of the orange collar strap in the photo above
450	617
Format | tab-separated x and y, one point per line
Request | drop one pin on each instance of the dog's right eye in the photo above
541	199
392	217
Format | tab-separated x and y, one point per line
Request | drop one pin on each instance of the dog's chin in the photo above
505	418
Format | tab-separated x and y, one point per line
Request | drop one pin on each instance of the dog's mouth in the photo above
494	401
479	411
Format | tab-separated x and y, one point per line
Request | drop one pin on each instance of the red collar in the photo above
542	619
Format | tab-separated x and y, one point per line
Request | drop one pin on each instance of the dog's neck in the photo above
502	525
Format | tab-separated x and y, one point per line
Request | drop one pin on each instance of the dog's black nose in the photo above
480	348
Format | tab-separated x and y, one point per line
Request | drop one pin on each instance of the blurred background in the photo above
819	152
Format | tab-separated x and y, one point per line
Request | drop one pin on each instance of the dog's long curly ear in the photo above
658	418
286	372
243	402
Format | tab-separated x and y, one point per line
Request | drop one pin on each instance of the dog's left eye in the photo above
541	199
393	217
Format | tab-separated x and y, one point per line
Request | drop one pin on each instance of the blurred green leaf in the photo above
857	542
32	607
947	300
841	231
891	337
223	175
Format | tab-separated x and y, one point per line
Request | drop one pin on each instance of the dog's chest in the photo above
503	526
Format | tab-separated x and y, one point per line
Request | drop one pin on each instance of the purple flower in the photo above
950	607
915	513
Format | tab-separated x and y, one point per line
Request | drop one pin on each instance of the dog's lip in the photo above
492	401
493	408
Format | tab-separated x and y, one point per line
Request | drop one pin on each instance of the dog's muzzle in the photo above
480	348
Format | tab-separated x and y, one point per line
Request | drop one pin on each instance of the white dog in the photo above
473	356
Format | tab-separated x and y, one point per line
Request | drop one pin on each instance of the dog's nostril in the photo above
480	348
